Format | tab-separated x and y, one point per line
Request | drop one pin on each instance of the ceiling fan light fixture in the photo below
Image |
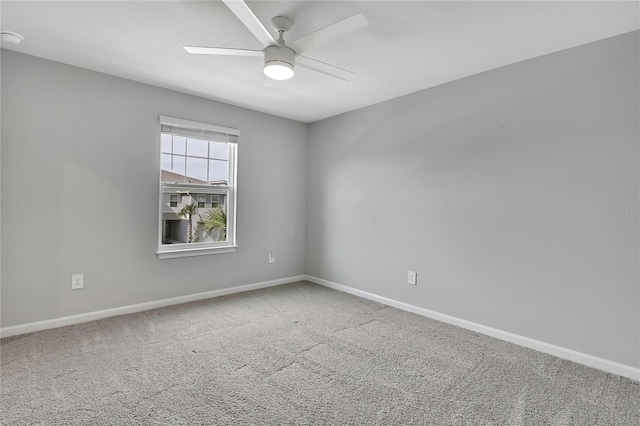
279	62
278	70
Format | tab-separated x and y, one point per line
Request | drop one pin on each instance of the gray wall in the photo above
501	185
80	169
495	188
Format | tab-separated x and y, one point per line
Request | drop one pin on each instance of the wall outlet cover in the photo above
77	281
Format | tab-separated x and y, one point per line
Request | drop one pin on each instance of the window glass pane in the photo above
196	169
219	150
218	170
166	143
213	226
175	167
165	162
179	145
172	168
197	148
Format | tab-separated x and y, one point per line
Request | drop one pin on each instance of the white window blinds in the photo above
193	129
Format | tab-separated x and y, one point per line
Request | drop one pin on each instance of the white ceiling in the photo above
409	46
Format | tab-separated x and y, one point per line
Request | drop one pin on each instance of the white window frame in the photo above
168	251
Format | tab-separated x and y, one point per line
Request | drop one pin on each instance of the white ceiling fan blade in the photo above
251	21
267	82
324	68
328	33
222	51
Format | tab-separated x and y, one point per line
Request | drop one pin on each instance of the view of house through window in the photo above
197	178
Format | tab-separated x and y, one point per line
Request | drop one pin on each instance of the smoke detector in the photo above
11	37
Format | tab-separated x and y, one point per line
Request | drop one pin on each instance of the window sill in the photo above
195	251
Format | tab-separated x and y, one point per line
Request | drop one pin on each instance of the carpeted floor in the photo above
295	354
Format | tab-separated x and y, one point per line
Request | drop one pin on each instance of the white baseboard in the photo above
92	316
569	354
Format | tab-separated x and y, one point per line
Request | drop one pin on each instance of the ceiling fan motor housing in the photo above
278	55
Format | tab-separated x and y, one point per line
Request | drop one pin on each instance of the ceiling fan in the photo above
280	57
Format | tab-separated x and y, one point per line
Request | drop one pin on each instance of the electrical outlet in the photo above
77	281
272	257
412	278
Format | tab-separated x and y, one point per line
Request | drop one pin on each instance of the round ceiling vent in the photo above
11	37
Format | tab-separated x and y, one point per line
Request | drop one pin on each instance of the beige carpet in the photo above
295	354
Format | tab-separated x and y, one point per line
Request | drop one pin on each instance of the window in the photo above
197	188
